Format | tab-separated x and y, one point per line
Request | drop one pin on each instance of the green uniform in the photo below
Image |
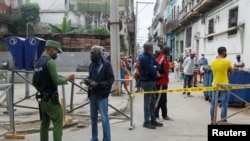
46	79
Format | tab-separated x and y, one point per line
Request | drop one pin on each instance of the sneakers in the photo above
157	124
189	95
152	125
159	119
167	118
149	126
224	120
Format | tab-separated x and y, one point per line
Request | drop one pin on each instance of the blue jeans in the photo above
224	98
149	101
187	82
100	105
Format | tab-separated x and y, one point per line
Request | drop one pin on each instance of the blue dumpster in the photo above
16	48
240	77
34	47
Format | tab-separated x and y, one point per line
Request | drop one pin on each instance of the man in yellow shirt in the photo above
221	68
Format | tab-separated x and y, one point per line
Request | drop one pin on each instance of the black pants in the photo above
161	102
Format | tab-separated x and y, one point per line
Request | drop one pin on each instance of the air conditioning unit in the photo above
197	35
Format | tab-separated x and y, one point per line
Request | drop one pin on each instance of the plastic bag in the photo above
126	81
201	70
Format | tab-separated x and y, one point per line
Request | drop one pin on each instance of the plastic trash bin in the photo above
34	47
16	48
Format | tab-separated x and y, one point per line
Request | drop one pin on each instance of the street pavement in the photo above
190	119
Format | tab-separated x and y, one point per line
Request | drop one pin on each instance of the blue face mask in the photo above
192	57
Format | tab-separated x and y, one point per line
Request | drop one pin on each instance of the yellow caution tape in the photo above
196	89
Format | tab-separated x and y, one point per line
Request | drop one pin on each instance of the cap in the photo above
53	44
192	53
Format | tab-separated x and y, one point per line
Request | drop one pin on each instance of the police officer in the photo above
45	80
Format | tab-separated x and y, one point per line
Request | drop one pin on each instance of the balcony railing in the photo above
188	15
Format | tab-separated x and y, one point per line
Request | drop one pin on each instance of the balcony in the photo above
187	17
168	26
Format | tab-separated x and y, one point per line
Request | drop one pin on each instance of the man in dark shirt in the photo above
99	82
148	76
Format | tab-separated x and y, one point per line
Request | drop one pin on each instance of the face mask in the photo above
54	56
225	55
94	59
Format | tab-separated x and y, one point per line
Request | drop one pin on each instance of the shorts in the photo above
122	76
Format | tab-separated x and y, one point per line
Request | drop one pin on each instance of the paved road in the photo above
191	117
190	123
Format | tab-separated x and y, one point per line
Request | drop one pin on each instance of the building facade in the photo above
204	25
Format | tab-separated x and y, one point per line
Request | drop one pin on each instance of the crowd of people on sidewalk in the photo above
151	73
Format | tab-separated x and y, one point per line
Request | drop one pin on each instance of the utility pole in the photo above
136	20
27	90
115	43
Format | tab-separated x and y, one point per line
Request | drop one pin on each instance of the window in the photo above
188	37
233	18
211	28
174	15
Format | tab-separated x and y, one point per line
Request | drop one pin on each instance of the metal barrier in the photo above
11	134
5	88
3	80
125	116
216	102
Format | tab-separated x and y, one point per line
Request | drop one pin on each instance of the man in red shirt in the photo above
162	84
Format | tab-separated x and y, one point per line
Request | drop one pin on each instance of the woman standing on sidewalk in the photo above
177	67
